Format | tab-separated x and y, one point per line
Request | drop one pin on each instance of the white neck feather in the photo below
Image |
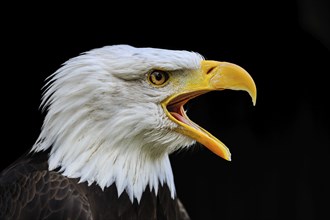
116	152
129	168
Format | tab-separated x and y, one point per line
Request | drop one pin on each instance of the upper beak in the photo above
229	76
212	75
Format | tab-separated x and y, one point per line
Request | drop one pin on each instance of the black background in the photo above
280	147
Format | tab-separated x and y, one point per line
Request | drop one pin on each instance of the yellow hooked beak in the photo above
212	75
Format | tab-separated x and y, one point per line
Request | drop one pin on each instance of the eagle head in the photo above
115	113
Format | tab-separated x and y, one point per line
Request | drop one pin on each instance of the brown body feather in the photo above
29	191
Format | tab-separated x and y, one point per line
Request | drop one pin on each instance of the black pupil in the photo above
158	76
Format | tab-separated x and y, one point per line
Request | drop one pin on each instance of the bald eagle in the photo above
113	116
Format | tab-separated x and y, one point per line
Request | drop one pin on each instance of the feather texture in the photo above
28	190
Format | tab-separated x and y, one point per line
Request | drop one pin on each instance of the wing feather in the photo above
28	193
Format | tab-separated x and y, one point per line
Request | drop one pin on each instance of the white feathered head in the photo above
114	114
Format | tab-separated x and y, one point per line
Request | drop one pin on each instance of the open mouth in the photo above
176	108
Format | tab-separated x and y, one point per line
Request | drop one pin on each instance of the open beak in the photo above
212	75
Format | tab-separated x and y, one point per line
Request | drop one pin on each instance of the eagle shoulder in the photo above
29	191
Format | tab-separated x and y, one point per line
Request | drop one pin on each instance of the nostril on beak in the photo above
210	70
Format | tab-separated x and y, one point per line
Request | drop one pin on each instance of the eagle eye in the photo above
158	77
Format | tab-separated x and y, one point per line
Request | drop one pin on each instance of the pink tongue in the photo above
183	119
180	118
